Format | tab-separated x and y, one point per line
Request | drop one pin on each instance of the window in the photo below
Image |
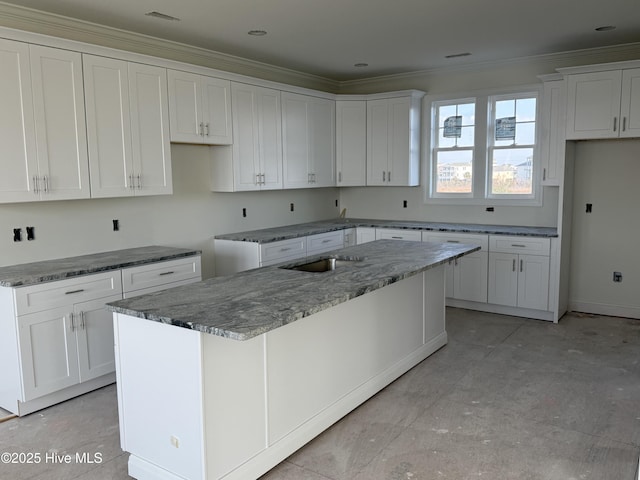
511	143
454	147
483	150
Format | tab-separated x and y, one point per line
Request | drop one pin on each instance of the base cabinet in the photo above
519	280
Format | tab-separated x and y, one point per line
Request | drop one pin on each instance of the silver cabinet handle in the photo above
340	177
384	176
544	174
521	261
518	245
170	272
327	240
397	238
82	323
36	186
73	322
206	126
388	176
45	181
201	129
71	292
513	266
257	179
624	124
615	123
131	184
285	249
453	241
139	178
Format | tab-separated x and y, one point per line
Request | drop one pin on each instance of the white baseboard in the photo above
605	309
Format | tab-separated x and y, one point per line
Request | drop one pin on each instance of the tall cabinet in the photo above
351	143
127	128
42	126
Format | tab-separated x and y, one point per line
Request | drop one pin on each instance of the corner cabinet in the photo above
308	141
127	128
351	143
254	161
199	109
393	140
43	145
604	104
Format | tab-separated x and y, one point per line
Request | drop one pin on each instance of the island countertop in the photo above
268	235
254	302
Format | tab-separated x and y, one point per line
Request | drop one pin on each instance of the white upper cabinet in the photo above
603	104
43	146
127	128
551	130
254	161
199	109
308	133
393	141
351	143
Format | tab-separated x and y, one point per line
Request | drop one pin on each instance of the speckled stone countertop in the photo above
59	269
254	302
275	234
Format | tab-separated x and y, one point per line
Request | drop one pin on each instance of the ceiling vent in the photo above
162	16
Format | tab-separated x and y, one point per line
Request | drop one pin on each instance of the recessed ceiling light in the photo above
162	16
257	33
360	65
456	55
605	28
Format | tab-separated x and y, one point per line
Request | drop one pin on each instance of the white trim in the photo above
502	309
605	309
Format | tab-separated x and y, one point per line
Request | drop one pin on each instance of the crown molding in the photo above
36	21
549	62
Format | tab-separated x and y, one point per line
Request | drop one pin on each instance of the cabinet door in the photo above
377	142
106	86
151	150
470	279
295	141
18	155
94	333
593	105
245	150
269	130
365	235
48	352
351	143
185	107
533	282
60	123
630	107
216	101
322	145
399	142
503	279
551	131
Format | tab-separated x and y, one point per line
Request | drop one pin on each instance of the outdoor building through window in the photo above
483	149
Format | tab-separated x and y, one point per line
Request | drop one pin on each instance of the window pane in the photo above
505	108
526	133
511	172
454	170
467	137
445	112
468	112
526	110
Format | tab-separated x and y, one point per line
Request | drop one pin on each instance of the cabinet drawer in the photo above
324	242
514	244
467	238
161	273
283	250
44	296
398	234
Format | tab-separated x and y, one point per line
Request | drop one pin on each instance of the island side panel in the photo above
434	305
160	398
235	402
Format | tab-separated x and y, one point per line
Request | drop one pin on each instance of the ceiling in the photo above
327	37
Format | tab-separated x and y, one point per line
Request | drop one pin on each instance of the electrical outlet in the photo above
489	209
291	207
17	234
404	204
116	225
589	208
244	212
31	233
617	277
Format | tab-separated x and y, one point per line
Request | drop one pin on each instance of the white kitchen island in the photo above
227	377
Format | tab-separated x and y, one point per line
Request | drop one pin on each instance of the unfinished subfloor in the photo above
508	398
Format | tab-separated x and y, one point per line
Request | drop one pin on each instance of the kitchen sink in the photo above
322	265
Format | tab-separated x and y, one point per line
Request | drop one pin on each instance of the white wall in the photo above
607	175
188	218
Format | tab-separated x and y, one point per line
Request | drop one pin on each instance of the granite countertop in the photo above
254	302
275	234
59	269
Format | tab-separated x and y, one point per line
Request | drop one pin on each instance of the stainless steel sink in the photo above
322	265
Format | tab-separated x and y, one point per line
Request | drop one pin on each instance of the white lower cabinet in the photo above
56	338
325	242
519	279
398	234
466	277
365	234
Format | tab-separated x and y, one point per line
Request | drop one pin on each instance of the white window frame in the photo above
481	171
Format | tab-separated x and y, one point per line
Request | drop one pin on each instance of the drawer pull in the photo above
285	249
171	272
453	241
397	238
517	245
327	241
71	292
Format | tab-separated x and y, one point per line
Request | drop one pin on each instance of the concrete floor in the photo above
506	399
